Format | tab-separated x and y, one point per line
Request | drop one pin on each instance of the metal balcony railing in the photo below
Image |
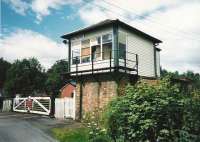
109	61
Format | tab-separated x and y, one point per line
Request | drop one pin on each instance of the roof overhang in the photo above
107	23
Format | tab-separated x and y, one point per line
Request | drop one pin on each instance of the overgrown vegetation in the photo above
97	127
155	113
71	135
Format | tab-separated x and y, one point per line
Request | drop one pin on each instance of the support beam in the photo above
115	45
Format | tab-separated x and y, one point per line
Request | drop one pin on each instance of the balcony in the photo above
104	62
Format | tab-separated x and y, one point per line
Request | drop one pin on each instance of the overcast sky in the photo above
32	28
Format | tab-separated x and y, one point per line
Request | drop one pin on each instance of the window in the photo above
107	38
75	56
122	45
95	41
96	48
85	51
106	46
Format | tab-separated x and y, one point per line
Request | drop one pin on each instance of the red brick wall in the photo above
95	95
67	91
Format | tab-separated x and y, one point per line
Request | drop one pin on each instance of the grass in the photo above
71	134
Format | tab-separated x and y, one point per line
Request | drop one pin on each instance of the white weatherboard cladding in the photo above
145	50
98	33
158	63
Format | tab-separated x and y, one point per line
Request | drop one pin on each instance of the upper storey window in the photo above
76	52
106	46
96	48
85	51
122	45
107	38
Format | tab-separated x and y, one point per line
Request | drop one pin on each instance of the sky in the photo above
32	28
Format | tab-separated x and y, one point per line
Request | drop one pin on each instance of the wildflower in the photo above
103	130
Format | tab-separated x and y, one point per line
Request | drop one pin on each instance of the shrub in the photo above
95	122
154	113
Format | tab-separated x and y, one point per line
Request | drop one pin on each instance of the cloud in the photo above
41	8
18	6
26	43
175	22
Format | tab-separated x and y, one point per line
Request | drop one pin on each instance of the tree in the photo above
55	80
25	77
194	77
4	66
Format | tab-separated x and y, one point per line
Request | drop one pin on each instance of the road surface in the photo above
18	127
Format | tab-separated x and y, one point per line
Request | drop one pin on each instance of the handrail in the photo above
125	62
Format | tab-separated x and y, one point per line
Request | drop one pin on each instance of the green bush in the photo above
154	113
95	122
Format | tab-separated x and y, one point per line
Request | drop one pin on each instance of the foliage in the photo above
25	77
154	113
195	77
4	66
55	80
71	135
95	122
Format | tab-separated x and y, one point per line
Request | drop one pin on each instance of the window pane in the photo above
85	43
107	48
122	38
122	45
75	56
85	59
85	55
122	51
85	51
96	52
75	43
107	38
95	41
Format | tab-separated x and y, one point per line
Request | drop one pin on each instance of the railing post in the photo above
110	60
137	62
92	64
125	60
76	66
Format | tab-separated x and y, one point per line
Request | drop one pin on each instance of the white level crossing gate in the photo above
39	105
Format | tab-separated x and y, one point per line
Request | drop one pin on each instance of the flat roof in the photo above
109	22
